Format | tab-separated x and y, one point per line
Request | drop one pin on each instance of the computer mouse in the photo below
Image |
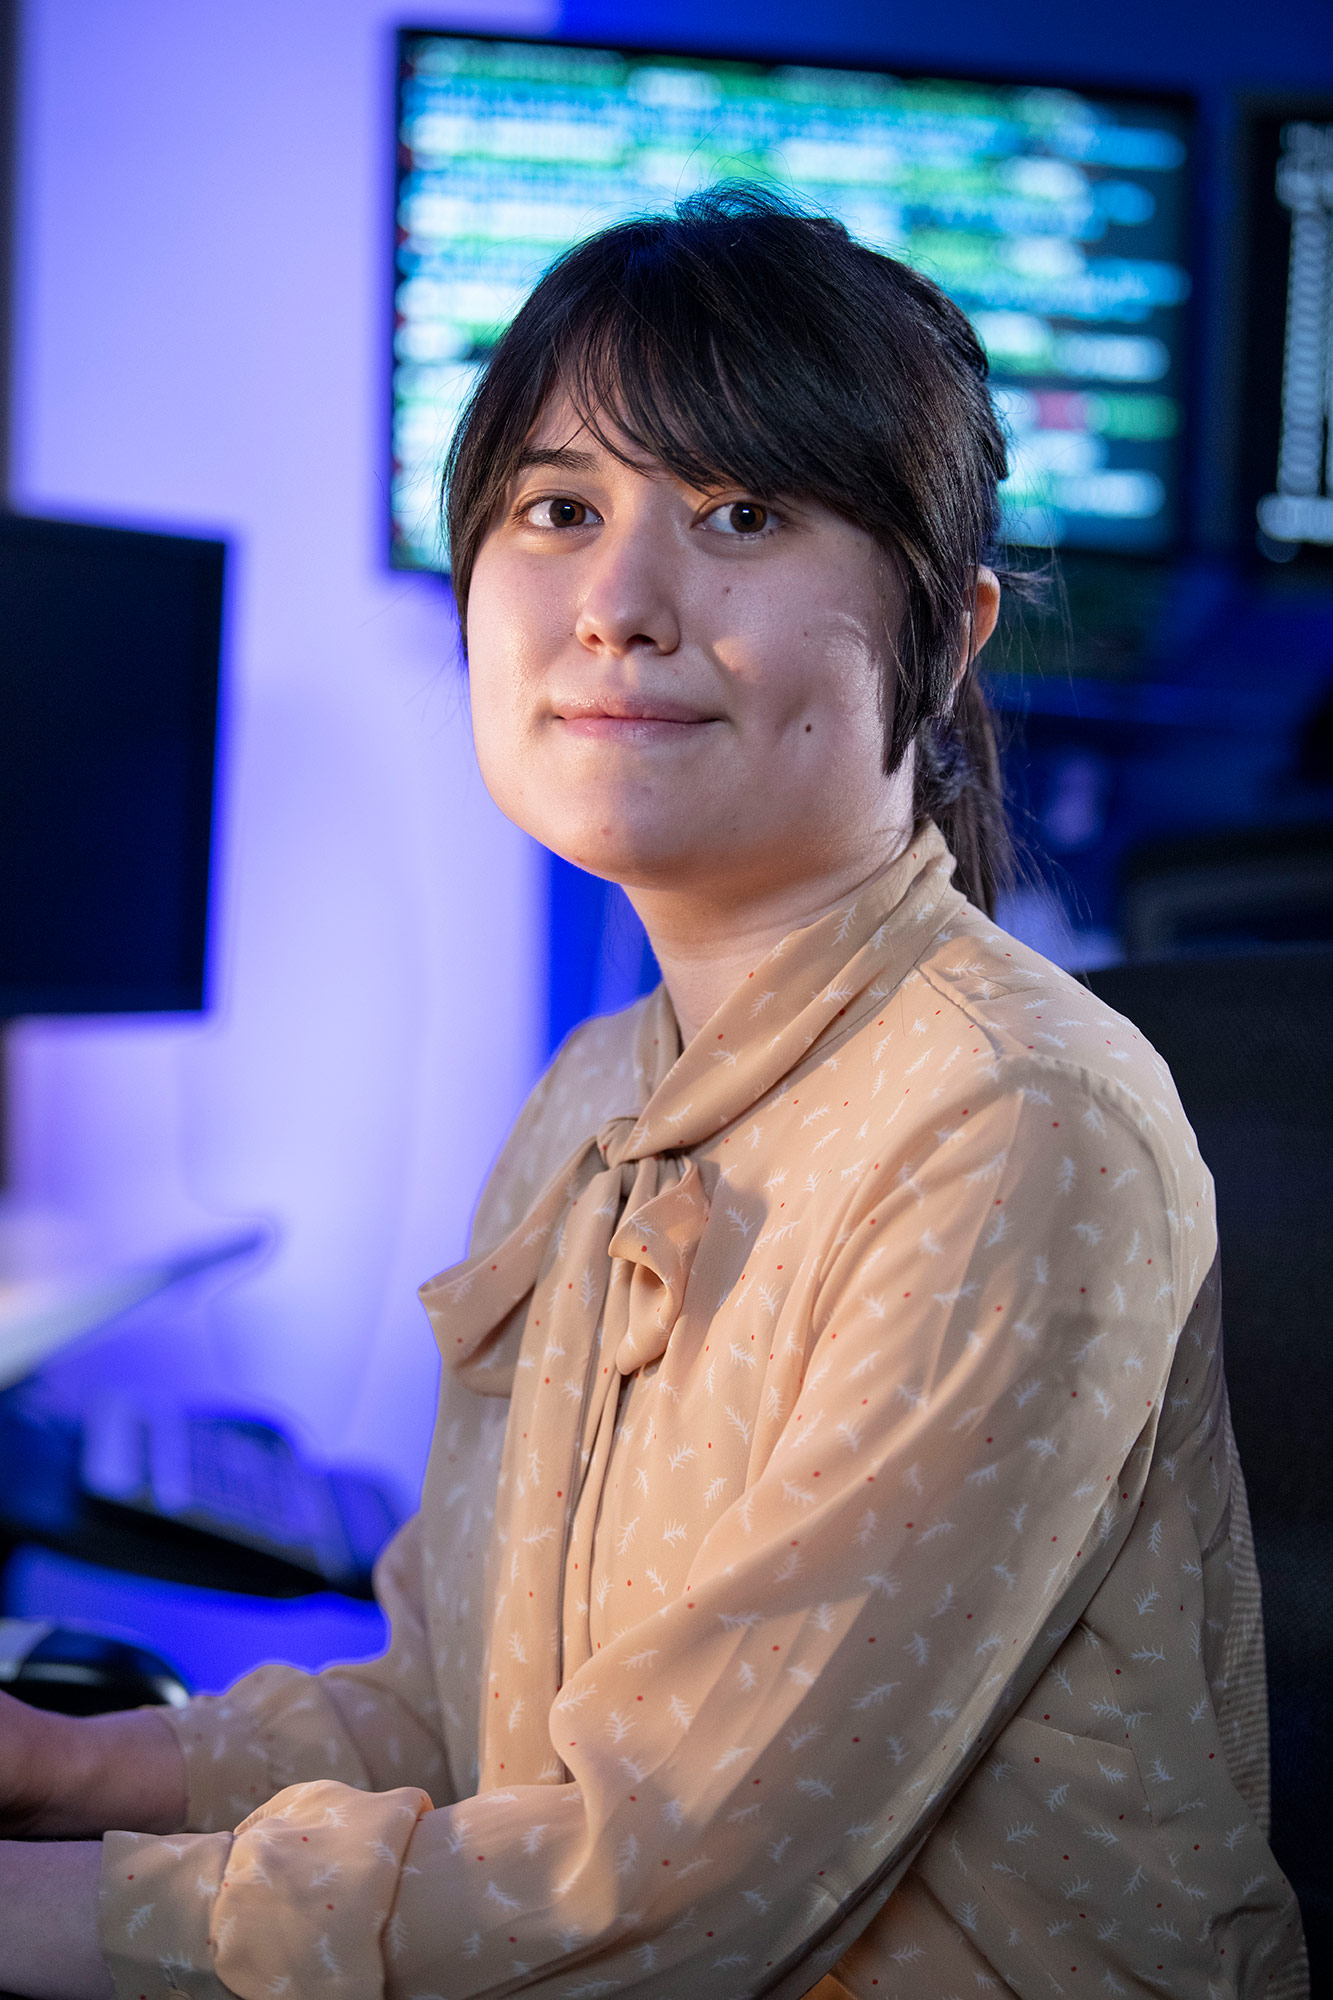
81	1670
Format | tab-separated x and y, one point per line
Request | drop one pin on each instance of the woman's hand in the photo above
66	1778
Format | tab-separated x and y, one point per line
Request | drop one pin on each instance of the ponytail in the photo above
959	786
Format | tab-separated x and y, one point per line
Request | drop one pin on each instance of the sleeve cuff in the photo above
155	1914
272	1730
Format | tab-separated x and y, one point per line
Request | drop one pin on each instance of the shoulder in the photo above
591	1078
1028	1015
1036	1033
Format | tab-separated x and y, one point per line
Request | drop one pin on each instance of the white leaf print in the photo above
873	1696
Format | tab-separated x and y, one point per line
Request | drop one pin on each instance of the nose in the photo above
630	598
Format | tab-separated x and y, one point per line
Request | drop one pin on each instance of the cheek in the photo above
501	649
814	676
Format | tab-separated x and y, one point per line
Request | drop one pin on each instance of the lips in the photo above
631	719
629	708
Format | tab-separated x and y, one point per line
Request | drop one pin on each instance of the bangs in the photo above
737	342
675	372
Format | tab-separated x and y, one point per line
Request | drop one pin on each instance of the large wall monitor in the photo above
108	699
1057	218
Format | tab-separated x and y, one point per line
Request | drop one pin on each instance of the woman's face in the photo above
680	689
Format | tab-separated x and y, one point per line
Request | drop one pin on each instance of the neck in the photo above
706	943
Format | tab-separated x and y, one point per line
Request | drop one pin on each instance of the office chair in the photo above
1249	1040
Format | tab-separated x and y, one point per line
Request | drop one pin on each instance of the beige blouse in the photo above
833	1562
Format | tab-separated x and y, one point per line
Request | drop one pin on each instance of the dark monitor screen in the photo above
109	643
1057	218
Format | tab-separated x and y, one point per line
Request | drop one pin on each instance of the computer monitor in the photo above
109	643
1286	471
1058	219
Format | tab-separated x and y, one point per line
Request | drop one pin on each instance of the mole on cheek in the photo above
808	727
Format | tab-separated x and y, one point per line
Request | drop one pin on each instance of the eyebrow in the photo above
562	458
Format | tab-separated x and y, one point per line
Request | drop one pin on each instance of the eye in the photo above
743	519
558	512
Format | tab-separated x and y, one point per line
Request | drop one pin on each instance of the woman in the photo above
833	1567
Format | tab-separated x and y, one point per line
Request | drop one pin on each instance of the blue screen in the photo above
1057	219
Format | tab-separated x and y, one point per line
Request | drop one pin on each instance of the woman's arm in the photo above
48	1920
374	1724
65	1778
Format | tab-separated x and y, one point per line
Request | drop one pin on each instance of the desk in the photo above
54	1290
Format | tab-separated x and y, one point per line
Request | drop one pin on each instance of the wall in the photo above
202	243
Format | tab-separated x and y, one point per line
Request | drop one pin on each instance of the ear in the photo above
979	622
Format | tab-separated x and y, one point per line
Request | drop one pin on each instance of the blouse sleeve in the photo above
374	1724
754	1766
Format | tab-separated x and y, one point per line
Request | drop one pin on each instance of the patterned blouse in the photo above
833	1568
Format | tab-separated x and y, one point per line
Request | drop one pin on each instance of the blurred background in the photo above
253	255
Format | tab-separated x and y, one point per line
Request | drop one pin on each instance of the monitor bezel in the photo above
1181	101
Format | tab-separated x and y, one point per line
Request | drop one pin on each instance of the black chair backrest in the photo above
1249	1041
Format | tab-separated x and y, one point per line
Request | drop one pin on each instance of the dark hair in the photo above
739	340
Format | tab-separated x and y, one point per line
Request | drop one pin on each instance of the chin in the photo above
637	857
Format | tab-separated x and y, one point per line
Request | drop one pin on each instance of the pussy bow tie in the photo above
586	1290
